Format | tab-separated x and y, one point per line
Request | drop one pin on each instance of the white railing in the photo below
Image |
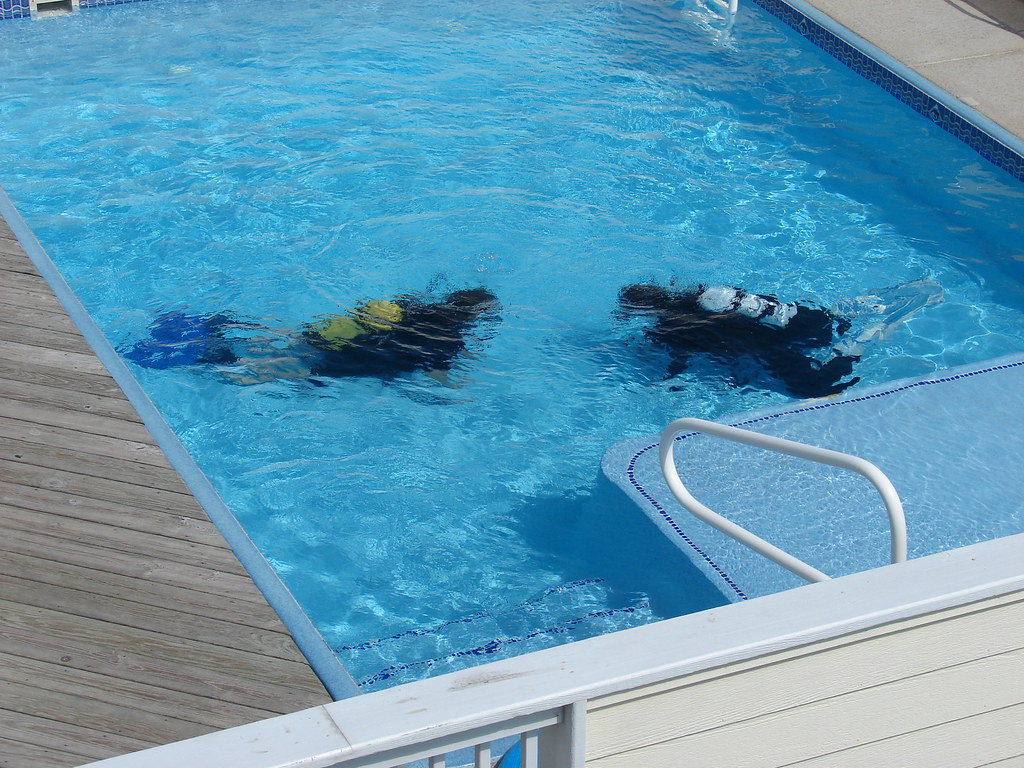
893	506
728	9
548	738
554	699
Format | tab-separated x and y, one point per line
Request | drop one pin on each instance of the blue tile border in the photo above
667	517
953	376
14	9
497	644
492	646
991	141
815	406
19	9
99	3
466	619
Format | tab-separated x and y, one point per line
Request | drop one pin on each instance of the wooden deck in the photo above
125	619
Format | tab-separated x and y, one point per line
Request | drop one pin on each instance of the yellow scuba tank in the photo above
375	316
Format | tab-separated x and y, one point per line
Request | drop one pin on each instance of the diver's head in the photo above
644	297
475	300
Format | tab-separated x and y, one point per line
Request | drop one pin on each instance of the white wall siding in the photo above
943	689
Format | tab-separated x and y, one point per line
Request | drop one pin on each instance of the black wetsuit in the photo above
429	336
777	336
425	336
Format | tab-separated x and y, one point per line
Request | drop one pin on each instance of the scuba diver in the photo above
378	338
794	344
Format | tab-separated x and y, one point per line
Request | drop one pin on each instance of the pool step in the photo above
564	613
941	439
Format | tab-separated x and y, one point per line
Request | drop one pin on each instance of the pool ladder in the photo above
727	9
893	505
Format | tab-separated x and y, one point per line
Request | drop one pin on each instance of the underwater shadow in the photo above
603	535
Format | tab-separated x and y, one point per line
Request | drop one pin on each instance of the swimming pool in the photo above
301	160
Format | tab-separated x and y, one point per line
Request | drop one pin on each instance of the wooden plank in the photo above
178	664
45	321
131	494
90	423
170	523
59	497
242	611
127	621
40	446
68	361
28	330
67	737
17	754
48	313
8	242
152	617
19	278
33	372
29	280
52	704
135	543
31	295
113	405
80	687
12	255
15	263
231	581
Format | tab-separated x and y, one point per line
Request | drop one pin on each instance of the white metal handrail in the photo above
728	9
893	505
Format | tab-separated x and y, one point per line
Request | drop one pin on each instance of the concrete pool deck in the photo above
973	50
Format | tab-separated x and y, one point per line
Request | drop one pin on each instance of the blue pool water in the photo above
285	160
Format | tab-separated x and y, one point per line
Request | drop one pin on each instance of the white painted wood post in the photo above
564	745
